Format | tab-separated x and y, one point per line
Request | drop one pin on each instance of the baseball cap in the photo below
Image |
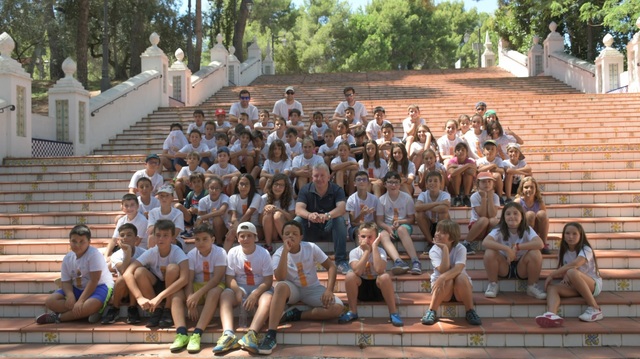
224	149
517	147
166	188
247	227
485	176
152	157
379	109
490	112
481	104
489	142
220	112
289	88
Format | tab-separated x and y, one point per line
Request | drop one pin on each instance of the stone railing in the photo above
512	61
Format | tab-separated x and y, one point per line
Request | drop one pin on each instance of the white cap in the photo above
247	227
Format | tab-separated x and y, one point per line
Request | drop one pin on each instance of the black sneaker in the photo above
466	201
457	201
291	315
473	318
166	321
267	345
111	316
154	320
133	316
467	245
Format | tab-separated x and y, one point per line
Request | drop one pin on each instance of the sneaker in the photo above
343	268
95	317
291	315
466	201
416	267
187	233
249	342
508	200
179	343
268	344
502	200
428	248
194	343
347	317
545	249
492	290
467	245
268	248
226	343
430	317
591	315
473	318
111	316
395	320
154	320
549	320
534	291
133	316
399	267
48	318
457	201
166	321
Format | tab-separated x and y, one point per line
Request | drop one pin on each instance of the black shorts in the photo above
368	291
513	271
159	286
432	229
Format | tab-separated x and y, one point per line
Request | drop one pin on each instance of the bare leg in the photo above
351	283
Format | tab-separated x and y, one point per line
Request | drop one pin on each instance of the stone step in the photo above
57	231
43	246
98	176
113	205
62	185
59	218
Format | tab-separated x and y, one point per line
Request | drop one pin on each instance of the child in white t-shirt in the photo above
432	206
212	210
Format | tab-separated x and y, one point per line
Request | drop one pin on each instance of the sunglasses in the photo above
290	92
348	95
245	97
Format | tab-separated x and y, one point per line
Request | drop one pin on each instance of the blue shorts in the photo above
408	227
102	293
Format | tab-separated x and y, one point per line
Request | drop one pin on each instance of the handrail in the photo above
575	65
505	53
10	107
200	79
176	100
255	61
93	113
619	88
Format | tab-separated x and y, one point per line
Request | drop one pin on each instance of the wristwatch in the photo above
328	215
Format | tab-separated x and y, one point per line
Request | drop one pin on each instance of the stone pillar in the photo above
268	65
15	103
535	58
633	61
180	79
219	57
254	50
154	59
69	106
608	67
553	43
233	66
488	57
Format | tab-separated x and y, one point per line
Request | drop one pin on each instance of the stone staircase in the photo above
580	148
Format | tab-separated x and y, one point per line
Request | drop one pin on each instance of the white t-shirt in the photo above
219	171
236	109
202	266
439	167
176	139
425	197
337	160
318	132
156	180
589	268
211	144
78	270
474	142
240	206
355	204
118	257
373	129
249	270
373	171
399	209
527	236
301	266
504	140
447	147
274	136
186	172
369	271
350	140
521	164
324	148
292	204
281	108
193	126
300	161
358	107
276	167
157	264
476	200
483	161
189	148
294	151
174	216
226	125
411	169
457	255
153	203
141	223
207	205
406	125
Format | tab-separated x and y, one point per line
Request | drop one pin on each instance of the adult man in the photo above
320	209
243	106
281	107
358	107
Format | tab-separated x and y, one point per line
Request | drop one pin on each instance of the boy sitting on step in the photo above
151	171
86	282
129	251
132	215
432	206
165	211
146	202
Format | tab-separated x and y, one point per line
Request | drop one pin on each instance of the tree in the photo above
82	36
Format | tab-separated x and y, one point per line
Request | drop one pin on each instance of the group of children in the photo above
245	191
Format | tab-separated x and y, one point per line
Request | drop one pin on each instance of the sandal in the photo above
347	317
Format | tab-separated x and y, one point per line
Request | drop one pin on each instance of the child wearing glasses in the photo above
362	204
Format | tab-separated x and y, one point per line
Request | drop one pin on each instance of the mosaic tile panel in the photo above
587	212
563	199
425	286
623	285
364	339
586	175
616	227
476	340
448	311
564	165
592	340
152	337
611	186
50	338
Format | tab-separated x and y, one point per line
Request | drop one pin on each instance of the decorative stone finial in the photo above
219	39
69	67
536	39
6	45
553	26
607	40
154	39
487	39
179	54
232	50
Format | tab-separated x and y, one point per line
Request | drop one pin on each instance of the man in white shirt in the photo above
243	106
281	107
360	110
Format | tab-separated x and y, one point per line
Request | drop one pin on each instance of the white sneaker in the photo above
549	320
591	315
534	291
492	290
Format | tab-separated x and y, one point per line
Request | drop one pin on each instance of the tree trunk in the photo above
590	45
238	33
82	37
136	47
190	59
197	53
55	63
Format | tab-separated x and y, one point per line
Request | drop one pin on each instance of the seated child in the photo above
512	251
280	125
249	277
151	171
447	143
195	145
430	163
374	128
244	206
461	170
212	210
375	166
133	216
172	145
317	128
387	140
484	210
530	198
242	154
263	124
189	207
294	267
260	152
146	202
432	206
352	122
293	147
225	170
222	125
344	168
209	138
129	251
181	181
357	149
86	283
368	281
165	211
361	205
578	268
207	265
329	149
158	274
493	164
278	207
198	122
395	215
514	169
277	162
295	121
302	164
449	280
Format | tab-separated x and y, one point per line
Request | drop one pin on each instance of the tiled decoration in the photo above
8	234
15	221
93	176
592	340
96	168
611	186
636	198
546	158
563	199
476	340
152	337
623	285
449	311
81	220
1	250
425	286
586	175
85	207
364	339
51	338
630	164
39	177
616	227
587	212
521	285
88	195
28	197
607	156
564	165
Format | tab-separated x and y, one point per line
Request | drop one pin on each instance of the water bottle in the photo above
242	317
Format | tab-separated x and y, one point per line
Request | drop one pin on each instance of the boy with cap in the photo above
481	108
249	278
151	171
492	163
484	210
283	106
514	169
374	127
222	125
165	211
